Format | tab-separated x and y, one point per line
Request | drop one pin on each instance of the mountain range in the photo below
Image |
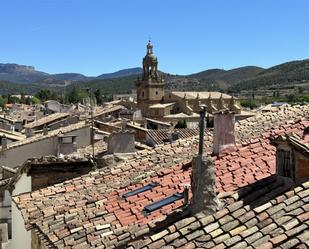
27	74
15	78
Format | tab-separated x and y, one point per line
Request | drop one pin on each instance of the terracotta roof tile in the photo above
47	119
161	136
98	195
284	231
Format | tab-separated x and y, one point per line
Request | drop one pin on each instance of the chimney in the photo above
45	130
224	131
173	136
4	142
29	132
121	142
203	186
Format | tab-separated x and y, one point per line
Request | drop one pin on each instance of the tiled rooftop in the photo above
255	125
86	151
46	120
161	136
202	95
267	216
90	210
107	110
17	136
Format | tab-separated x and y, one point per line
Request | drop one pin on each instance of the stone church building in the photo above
155	102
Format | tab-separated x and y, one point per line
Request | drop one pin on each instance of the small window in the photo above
158	204
140	190
67	140
142	94
156	92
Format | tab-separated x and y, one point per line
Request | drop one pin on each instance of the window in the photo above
67	140
142	94
158	204
156	92
140	190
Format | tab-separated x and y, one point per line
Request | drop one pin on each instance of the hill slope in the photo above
121	73
20	73
291	74
283	75
212	79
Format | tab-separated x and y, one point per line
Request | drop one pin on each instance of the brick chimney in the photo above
203	177
224	131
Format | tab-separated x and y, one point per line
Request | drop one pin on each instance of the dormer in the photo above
292	157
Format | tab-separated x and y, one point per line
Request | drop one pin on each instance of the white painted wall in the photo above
21	238
17	156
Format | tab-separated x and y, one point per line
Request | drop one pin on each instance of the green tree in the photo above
2	101
22	98
99	97
46	94
249	103
35	101
76	95
27	101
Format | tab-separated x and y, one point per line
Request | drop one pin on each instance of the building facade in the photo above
150	89
155	102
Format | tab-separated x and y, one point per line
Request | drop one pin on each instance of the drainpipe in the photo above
202	129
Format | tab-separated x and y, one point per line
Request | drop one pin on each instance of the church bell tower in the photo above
150	89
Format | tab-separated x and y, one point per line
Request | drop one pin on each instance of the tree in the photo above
98	96
76	95
22	98
2	101
35	101
27	101
46	94
249	103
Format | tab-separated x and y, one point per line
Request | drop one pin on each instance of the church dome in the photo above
150	56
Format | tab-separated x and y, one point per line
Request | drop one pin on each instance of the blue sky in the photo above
98	36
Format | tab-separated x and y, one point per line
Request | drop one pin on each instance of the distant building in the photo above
150	89
155	102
